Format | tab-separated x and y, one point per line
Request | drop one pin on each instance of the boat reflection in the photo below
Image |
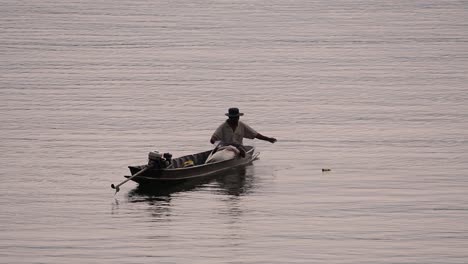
236	182
160	200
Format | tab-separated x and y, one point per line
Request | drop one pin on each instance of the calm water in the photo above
374	90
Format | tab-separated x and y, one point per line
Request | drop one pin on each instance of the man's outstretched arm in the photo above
262	137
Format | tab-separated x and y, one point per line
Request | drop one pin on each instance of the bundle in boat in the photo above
223	153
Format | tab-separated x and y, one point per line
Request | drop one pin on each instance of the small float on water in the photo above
163	169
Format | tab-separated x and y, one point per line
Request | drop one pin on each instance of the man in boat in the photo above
233	131
230	134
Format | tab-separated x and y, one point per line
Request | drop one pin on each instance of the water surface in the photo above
374	91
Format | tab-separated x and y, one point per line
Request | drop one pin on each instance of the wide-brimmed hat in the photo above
234	112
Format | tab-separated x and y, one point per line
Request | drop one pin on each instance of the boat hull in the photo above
180	174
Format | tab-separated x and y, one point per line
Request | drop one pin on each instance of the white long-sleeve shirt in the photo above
225	133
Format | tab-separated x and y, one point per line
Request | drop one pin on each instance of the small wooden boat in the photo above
167	170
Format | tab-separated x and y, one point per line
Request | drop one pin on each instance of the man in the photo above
233	131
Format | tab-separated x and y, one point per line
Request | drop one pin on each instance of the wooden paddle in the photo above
116	187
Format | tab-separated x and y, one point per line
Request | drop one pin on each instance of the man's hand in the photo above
272	140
